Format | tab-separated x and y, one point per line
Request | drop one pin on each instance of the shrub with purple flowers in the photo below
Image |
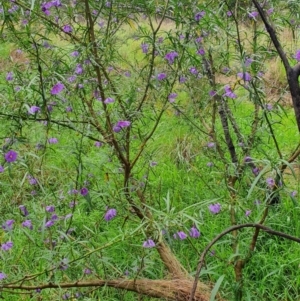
94	94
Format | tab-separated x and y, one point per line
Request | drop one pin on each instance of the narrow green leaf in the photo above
216	288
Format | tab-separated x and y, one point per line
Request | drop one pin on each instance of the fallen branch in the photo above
178	289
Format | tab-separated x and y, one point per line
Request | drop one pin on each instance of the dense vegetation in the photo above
133	133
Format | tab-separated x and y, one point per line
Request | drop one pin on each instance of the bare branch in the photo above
273	36
228	230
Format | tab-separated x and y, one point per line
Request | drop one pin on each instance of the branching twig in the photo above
228	230
292	73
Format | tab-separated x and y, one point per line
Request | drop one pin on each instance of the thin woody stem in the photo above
228	230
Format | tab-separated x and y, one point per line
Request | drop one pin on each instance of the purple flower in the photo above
69	215
84	191
50	208
214	208
57	88
269	107
32	180
172	97
74	53
127	73
228	92
69	109
226	69
67	28
9	76
78	69
1	168
54	217
161	76
87	271
149	243
52	141
255	171
229	13
121	124
170	56
253	14
248	62
145	47
199	40
101	24
7	246
49	224
212	93
210	164
109	100
117	128
293	193
199	16
248	212
98	144
73	191
270	182
261	73
2	276
247	159
201	51
194	232
153	163
245	76
72	204
11	156
211	144
193	70
66	296
46	7
34	109
110	214
182	79
180	234
24	22
297	55
24	210
27	224
71	79
270	11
